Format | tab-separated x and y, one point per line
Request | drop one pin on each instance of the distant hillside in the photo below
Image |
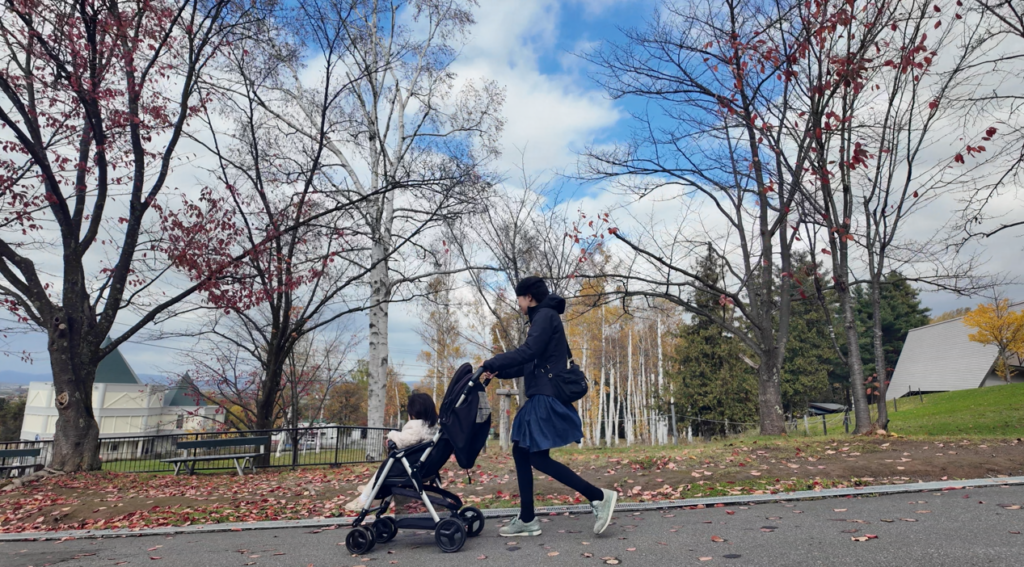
15	377
23	378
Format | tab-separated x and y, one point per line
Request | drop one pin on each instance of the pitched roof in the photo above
114	369
178	396
940	358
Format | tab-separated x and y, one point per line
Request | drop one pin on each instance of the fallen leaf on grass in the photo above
552	554
154	558
482	557
888	521
730	512
630	549
859	538
154	548
924	511
908	519
705	558
587	555
1014	532
717	539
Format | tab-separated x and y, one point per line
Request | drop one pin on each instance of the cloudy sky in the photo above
552	110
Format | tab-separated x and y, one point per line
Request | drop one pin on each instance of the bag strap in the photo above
567	347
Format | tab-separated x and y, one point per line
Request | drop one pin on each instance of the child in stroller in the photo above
465	421
420	428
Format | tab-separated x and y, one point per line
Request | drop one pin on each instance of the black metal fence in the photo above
302	447
45	452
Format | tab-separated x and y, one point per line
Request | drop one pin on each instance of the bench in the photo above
241	460
19	453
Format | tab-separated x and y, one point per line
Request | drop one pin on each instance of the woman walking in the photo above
543	422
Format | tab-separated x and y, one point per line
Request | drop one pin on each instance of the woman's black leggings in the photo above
542	461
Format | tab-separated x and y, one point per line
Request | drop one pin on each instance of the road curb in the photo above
334	523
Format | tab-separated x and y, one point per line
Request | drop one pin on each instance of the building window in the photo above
179	423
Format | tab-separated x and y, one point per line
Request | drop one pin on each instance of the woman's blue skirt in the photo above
545	423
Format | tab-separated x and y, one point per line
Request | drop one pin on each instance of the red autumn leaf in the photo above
933	105
915	194
826	252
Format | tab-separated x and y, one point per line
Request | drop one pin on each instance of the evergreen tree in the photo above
12	413
901	311
707	368
812	362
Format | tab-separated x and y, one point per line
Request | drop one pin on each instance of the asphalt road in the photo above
952	528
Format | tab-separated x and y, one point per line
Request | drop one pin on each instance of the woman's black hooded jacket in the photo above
544	352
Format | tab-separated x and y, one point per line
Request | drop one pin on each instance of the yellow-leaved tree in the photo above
997	324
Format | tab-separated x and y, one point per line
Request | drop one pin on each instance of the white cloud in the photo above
550	116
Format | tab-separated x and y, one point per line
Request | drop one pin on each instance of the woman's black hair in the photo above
421	406
534	287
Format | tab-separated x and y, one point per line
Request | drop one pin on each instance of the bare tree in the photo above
523	230
403	140
94	100
233	376
441	331
715	139
992	122
881	88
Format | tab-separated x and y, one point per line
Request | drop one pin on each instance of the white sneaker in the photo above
603	510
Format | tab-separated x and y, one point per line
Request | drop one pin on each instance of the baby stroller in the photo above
465	422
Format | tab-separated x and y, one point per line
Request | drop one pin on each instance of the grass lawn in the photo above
996	411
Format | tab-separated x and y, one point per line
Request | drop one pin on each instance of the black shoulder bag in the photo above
570	384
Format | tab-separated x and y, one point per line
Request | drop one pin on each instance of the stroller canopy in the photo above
467	425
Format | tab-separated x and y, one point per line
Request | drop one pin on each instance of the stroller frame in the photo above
450	532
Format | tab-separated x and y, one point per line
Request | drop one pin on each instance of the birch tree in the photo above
406	140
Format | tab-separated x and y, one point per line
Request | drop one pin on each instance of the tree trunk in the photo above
881	369
769	397
378	346
862	412
630	391
76	445
612	409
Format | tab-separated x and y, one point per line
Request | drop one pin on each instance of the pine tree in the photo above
901	311
811	359
710	378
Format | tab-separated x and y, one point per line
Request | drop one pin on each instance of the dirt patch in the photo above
750	466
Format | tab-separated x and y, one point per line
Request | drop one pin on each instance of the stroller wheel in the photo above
450	534
385	529
474	520
360	540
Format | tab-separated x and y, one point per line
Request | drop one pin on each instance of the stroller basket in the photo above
465	422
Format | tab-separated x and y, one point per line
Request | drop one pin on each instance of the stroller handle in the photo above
475	377
479	372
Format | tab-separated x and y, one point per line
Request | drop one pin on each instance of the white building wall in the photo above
120	409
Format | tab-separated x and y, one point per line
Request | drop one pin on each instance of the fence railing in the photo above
45	453
301	447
